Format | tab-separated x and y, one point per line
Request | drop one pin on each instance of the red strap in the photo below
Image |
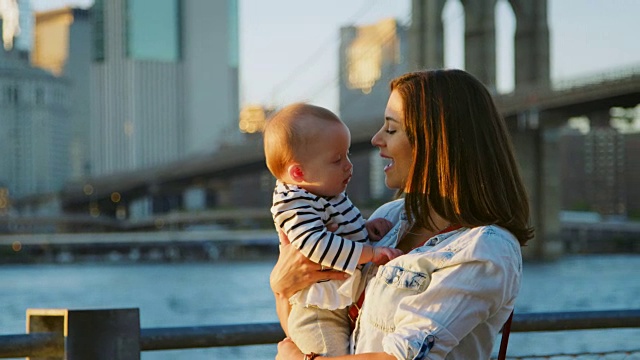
506	329
354	309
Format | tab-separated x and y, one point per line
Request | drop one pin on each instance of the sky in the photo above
289	48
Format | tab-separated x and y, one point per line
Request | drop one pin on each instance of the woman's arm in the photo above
287	350
292	273
283	309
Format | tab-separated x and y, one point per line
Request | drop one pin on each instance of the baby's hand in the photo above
382	255
377	228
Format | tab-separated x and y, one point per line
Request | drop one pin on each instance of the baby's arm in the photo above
379	255
300	217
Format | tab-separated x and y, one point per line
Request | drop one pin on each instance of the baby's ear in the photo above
295	172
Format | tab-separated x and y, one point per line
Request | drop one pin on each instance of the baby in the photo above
307	150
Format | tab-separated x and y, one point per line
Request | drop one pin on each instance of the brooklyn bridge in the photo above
237	186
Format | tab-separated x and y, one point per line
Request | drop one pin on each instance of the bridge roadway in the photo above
566	99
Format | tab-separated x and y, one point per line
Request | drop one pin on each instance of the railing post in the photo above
90	334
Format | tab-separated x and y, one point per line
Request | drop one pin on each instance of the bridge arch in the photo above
531	39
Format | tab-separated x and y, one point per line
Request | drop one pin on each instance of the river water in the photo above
181	294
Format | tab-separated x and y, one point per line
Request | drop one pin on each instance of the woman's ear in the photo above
295	172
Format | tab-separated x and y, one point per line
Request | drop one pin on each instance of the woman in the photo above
461	222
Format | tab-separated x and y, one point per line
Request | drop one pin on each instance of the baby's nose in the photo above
349	166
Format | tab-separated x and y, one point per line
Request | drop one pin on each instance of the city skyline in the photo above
586	38
139	125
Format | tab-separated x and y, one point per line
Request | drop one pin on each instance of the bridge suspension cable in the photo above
383	39
315	57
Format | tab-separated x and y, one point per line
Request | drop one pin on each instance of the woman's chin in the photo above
391	185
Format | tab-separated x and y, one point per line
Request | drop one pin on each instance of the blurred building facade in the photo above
17	25
122	86
600	171
62	46
164	81
370	56
34	122
34	127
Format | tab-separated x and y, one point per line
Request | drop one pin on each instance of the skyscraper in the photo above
61	45
370	56
34	128
34	121
164	81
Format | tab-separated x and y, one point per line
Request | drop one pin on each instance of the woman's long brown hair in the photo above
464	164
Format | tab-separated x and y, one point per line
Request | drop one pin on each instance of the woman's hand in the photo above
288	350
294	272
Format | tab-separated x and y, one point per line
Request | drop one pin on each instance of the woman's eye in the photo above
390	131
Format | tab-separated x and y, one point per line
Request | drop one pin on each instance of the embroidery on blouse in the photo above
399	277
427	344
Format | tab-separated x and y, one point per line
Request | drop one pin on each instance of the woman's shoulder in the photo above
491	242
493	231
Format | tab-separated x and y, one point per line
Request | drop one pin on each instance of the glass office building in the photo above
153	30
164	81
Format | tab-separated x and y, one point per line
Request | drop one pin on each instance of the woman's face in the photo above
394	144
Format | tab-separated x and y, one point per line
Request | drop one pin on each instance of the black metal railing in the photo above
52	344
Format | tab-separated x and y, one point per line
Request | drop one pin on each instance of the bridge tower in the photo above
535	134
531	39
531	42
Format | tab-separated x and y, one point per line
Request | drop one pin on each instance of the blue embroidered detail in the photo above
399	277
427	344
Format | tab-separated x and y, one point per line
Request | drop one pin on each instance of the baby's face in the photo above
326	165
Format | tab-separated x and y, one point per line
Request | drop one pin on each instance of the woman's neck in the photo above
411	240
416	236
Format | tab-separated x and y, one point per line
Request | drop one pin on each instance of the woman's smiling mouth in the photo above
390	164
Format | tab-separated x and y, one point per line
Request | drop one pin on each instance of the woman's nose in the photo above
375	140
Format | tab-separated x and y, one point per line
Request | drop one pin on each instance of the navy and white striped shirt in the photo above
304	217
